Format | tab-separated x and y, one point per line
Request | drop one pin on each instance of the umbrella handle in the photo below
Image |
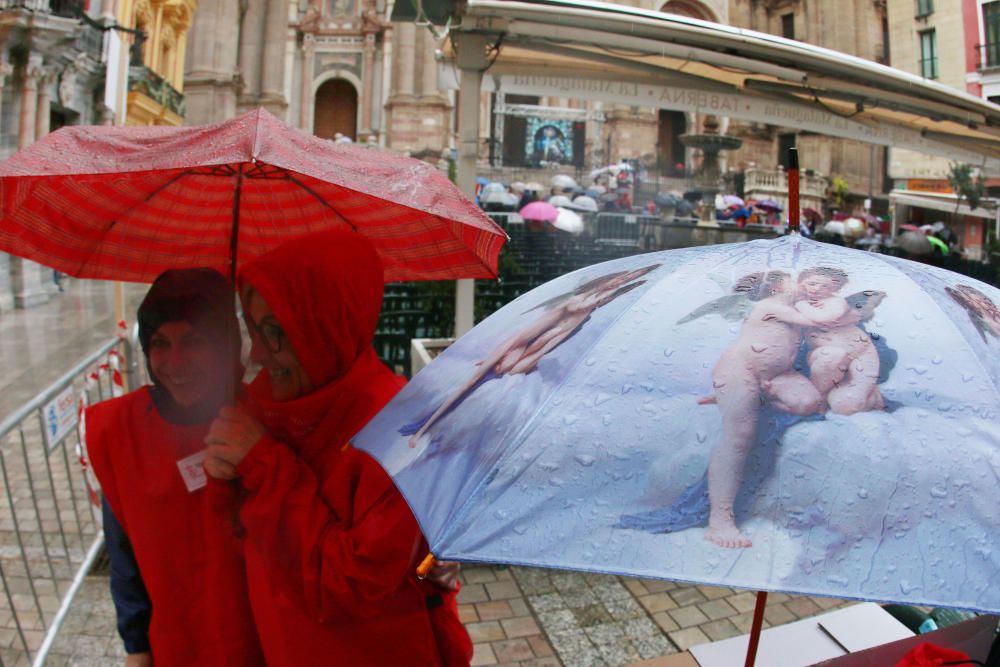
758	622
793	189
425	566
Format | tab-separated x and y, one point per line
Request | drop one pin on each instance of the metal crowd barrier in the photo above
505	219
50	528
621	229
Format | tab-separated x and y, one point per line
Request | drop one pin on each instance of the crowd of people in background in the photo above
614	189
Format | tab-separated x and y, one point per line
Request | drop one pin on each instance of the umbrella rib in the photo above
94	251
321	200
186	172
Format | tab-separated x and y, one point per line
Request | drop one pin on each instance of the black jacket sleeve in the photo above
132	604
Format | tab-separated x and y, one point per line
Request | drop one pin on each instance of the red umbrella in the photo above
909	228
127	203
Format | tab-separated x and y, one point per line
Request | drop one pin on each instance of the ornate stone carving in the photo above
370	23
311	18
178	16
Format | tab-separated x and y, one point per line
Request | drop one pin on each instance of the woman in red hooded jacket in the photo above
331	546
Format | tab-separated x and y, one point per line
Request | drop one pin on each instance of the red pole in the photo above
758	610
793	190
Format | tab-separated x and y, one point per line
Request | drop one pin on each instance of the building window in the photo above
788	26
991	28
925	7
928	55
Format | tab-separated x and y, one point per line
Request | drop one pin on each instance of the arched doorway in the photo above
670	151
336	110
689	8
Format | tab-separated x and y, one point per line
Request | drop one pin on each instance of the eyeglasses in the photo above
271	335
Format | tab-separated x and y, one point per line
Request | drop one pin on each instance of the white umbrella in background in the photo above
914	243
854	228
568	221
559	200
491	188
534	186
584	203
517	186
563	182
835	227
508	199
612	169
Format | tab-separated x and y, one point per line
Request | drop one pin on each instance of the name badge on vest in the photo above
192	471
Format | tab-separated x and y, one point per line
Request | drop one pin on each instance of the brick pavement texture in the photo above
517	617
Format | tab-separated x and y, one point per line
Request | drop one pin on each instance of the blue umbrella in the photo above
779	415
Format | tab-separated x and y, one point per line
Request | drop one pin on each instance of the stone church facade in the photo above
340	67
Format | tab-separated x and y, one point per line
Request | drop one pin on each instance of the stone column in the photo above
272	90
472	63
406	61
43	111
29	282
251	49
428	69
30	74
308	63
6	291
26	277
367	87
210	78
6	295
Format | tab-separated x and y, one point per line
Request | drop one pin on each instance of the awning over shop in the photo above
944	203
592	50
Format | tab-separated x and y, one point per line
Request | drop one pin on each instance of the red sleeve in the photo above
338	564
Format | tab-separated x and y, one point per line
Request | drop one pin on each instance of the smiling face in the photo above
272	350
187	363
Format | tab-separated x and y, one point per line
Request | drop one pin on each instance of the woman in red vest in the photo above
331	546
177	571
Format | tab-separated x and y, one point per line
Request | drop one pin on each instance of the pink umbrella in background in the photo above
540	211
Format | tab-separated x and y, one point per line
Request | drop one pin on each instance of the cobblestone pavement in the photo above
520	617
516	616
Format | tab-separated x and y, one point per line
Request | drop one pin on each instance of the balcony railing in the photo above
155	87
63	8
989	55
773	184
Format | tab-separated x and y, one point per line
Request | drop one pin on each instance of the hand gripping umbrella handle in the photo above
425	566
